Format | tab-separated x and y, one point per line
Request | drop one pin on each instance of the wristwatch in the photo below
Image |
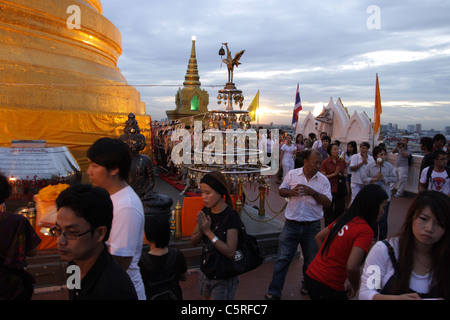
214	240
315	195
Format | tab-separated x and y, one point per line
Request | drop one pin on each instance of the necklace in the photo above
426	266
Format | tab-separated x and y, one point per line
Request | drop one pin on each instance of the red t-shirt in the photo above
330	269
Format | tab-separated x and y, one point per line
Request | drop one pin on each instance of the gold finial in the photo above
192	77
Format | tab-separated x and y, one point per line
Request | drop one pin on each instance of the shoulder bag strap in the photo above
392	256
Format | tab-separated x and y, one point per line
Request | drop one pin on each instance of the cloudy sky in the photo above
331	48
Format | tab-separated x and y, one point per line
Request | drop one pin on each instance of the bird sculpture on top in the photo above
231	63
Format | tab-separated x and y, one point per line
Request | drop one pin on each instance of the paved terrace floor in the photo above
253	285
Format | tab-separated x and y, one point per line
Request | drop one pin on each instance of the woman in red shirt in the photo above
334	168
343	247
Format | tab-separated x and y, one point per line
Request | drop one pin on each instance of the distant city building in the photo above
447	131
418	127
410	128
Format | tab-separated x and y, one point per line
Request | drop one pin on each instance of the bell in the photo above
221	51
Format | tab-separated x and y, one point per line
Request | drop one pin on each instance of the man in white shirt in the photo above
109	164
318	143
401	166
309	191
358	163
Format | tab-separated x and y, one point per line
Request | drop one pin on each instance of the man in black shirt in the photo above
83	224
426	145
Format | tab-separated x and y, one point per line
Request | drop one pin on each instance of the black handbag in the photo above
342	186
247	257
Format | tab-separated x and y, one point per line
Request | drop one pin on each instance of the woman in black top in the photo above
217	215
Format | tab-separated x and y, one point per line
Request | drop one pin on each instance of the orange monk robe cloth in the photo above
77	130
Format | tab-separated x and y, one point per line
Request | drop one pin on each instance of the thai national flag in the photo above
297	107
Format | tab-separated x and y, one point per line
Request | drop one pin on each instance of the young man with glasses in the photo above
83	224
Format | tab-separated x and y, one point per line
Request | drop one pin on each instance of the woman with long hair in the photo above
416	263
217	228
299	150
343	247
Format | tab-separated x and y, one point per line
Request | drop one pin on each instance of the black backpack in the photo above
410	160
160	282
430	171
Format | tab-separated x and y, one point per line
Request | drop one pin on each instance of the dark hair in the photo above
364	144
111	154
296	138
326	138
331	146
377	150
427	143
439	137
355	148
5	188
438	153
366	206
157	230
90	203
439	205
307	154
218	182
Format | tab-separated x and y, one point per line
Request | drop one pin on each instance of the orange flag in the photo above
376	125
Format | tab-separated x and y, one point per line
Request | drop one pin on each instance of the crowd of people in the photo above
100	228
353	225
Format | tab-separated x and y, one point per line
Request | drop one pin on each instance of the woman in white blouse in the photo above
421	265
287	155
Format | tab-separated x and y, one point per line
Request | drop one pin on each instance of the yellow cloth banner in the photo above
76	130
253	107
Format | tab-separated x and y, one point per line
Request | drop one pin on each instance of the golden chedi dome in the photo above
59	79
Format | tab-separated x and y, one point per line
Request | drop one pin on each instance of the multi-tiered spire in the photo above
190	100
192	77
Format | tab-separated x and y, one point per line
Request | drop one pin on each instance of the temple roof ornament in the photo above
232	62
230	94
190	100
335	120
192	77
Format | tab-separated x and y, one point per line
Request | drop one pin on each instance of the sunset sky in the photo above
333	49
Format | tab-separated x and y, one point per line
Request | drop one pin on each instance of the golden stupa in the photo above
59	82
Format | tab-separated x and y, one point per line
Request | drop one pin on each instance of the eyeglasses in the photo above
68	235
